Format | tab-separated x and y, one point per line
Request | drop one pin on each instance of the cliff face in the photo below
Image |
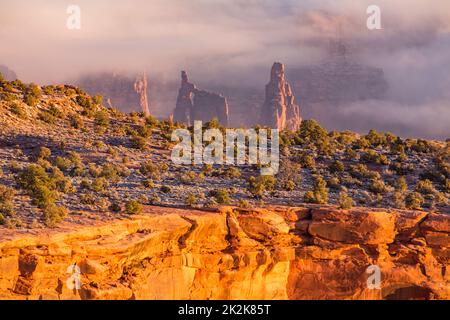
276	253
122	92
199	105
280	110
7	73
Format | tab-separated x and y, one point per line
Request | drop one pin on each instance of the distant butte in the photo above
194	104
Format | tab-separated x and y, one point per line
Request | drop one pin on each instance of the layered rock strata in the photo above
274	253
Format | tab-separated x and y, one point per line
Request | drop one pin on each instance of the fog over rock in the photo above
199	105
7	73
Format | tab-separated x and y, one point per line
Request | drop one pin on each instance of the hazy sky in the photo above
235	39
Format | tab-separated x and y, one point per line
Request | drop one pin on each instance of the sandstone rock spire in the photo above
140	86
184	100
280	110
195	104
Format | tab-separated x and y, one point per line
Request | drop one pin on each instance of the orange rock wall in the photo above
277	253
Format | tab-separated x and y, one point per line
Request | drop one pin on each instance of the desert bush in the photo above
361	171
97	100
307	161
44	153
191	177
334	183
377	186
133	207
18	110
289	176
152	170
88	199
46	117
62	164
222	195
243	204
257	186
372	156
148	183
288	185
76	122
6	201
110	172
232	173
44	188
399	199
99	184
55	111
414	200
139	142
101	121
345	201
401	185
425	187
336	167
94	170
311	132
32	95
375	139
54	214
191	200
48	90
319	194
446	185
401	169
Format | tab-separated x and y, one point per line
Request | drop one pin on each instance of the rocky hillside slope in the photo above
275	253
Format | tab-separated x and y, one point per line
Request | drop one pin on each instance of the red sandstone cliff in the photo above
274	253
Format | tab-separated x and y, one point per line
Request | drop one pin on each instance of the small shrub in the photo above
63	164
46	117
101	121
221	196
133	207
148	183
320	193
139	142
99	184
44	153
257	186
401	185
232	173
399	200
414	200
345	201
337	167
152	170
191	200
54	214
425	187
76	122
6	201
378	186
243	204
18	110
